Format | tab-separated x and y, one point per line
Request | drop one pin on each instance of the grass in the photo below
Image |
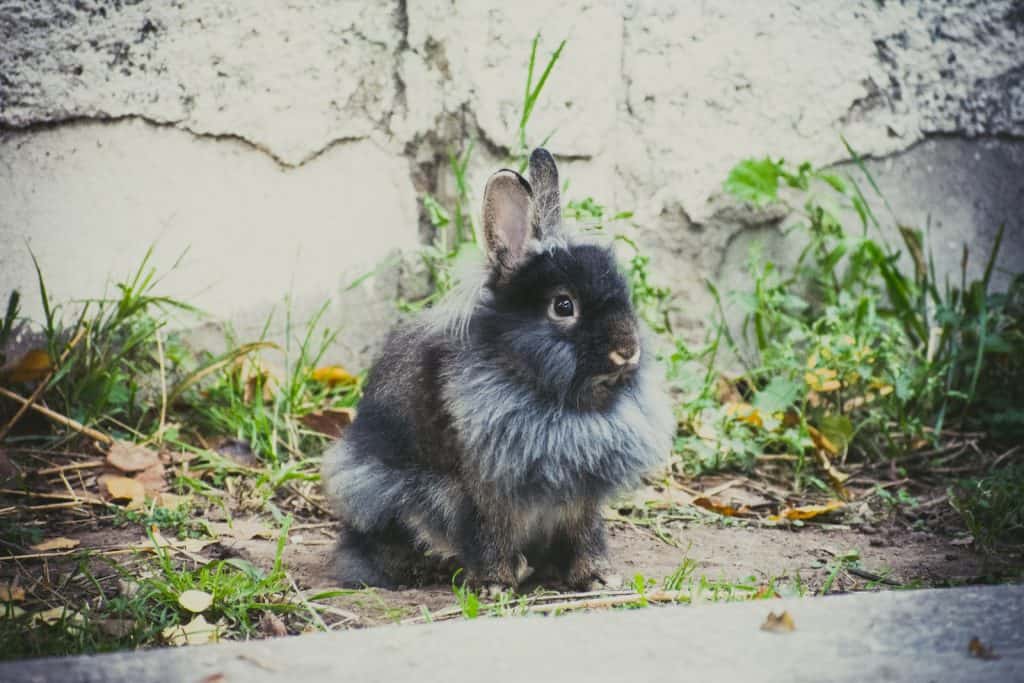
144	606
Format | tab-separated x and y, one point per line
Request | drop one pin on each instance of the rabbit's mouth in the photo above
603	388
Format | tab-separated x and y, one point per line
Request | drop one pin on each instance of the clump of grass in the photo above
854	349
992	506
147	605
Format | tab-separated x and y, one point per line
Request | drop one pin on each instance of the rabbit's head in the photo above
558	314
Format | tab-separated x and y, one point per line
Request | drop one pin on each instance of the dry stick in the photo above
60	419
74	466
54	496
163	388
42	385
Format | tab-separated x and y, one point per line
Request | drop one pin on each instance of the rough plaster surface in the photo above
286	143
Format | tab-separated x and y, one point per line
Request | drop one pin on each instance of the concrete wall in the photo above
286	145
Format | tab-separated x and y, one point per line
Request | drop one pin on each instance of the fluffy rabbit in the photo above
492	430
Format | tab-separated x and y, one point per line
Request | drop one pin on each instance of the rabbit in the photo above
493	429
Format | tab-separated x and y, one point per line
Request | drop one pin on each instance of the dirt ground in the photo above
727	553
722	527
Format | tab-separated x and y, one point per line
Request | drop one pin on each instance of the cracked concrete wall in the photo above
286	144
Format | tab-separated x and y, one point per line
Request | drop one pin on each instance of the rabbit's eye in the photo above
562	306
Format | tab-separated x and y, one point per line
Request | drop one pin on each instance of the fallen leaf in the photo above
190	546
836	478
196	632
272	625
332	374
56	615
130	457
329	421
721	508
195	601
171	501
822	441
59	543
744	412
11	612
152	479
11	593
116	628
807	511
977	649
238	451
124	488
778	623
214	678
31	367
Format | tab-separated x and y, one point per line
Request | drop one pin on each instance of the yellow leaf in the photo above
124	488
332	374
721	508
59	543
196	632
778	623
807	511
170	501
31	367
11	593
195	601
744	412
822	441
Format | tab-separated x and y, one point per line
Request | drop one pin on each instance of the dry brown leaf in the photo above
807	511
152	479
329	421
31	367
822	441
130	457
721	508
836	477
978	649
171	501
123	488
195	601
59	543
332	374
196	632
11	593
116	628
778	623
214	678
272	625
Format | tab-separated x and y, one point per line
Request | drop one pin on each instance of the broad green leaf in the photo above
755	180
780	394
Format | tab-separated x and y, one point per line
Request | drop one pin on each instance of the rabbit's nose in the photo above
620	357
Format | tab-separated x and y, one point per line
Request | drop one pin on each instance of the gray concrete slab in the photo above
892	636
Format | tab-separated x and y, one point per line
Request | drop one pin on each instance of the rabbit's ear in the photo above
547	204
507	218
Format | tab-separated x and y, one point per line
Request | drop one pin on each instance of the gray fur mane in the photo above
517	438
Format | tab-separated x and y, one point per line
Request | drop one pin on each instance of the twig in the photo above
60	419
54	496
871	576
73	466
163	388
305	603
42	386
